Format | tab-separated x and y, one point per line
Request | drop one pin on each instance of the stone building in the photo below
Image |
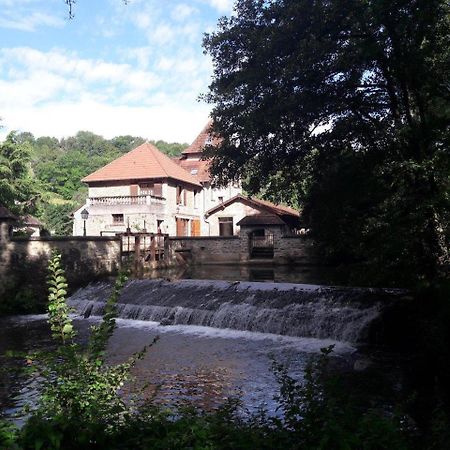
142	190
145	190
226	218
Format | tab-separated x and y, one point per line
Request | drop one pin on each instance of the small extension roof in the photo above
30	220
144	162
261	219
268	207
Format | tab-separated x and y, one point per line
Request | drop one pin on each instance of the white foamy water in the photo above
309	345
307	311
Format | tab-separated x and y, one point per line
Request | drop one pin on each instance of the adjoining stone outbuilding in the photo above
226	218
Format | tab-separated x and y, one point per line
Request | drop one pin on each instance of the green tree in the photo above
17	190
349	100
57	217
126	143
170	149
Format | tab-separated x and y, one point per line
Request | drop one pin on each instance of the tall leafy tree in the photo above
349	100
17	190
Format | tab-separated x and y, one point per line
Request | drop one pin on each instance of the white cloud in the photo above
69	67
182	11
170	121
137	69
29	22
163	34
141	55
57	93
223	6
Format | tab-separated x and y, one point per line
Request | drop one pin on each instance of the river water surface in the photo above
201	365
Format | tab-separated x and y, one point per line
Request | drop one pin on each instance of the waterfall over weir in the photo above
342	314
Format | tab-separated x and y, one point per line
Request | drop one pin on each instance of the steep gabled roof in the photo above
144	162
263	205
201	140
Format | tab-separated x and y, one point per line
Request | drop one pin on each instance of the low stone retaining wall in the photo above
235	249
23	261
205	250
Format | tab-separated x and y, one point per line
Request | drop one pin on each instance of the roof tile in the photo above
144	162
280	210
201	140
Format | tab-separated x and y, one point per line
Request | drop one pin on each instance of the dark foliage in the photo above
349	101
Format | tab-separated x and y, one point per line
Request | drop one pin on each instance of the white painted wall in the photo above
101	220
236	210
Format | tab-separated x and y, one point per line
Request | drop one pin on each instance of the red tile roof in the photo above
201	140
199	169
280	210
144	162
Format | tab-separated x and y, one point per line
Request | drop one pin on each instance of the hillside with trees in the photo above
42	176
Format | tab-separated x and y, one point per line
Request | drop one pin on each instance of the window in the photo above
151	189
146	188
181	196
134	190
195	199
225	226
118	219
157	189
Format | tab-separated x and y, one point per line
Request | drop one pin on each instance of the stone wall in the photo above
23	261
297	249
205	250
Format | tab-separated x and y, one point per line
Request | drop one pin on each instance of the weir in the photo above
342	314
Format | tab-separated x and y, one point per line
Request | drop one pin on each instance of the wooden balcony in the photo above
127	200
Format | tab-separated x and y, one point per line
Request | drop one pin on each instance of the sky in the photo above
114	69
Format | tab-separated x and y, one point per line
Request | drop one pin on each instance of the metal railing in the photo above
262	241
126	200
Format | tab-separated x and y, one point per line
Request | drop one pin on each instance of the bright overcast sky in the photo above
115	69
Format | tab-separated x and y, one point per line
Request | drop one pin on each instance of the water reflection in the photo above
248	272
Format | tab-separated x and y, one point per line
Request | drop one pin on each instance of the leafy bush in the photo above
80	400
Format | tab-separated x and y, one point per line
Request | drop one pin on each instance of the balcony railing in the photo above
127	200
